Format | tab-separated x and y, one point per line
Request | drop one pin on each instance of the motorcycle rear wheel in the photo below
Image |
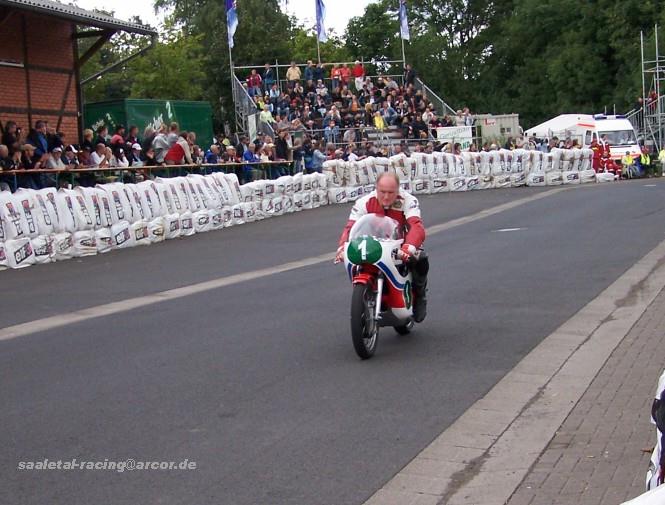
364	329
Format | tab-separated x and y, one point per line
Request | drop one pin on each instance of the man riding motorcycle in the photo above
389	200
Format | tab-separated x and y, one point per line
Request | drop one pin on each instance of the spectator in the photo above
409	76
37	138
70	159
249	156
135	160
321	89
336	76
293	75
11	138
121	159
358	73
28	162
388	113
55	159
98	157
212	155
132	136
150	159
319	72
6	163
84	158
88	135
179	153
317	158
268	77
309	74
160	145
344	75
118	138
254	83
102	133
468	118
331	132
173	135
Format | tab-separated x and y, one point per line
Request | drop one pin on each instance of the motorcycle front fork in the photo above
379	292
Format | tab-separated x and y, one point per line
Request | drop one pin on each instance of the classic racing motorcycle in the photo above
382	284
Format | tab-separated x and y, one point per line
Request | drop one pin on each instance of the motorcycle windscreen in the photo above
378	227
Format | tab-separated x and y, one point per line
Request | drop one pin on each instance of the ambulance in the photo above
615	130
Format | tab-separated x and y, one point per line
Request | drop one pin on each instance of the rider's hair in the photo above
392	175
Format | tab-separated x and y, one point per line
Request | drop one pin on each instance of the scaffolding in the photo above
649	118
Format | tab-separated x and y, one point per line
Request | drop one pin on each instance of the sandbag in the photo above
501	181
570	177
85	243
472	182
156	230
104	240
536	179
457	183
517	179
298	201
202	222
337	195
15	225
187	224
587	176
485	182
42	245
122	236
421	186
3	257
63	246
19	253
172	226
238	214
440	185
47	213
26	205
554	178
605	177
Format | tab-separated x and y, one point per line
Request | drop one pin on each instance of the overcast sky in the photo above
338	11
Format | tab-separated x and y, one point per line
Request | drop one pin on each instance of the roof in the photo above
77	15
558	124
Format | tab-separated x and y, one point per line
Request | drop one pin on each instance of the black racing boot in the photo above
420	303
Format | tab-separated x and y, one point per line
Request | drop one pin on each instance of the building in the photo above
40	60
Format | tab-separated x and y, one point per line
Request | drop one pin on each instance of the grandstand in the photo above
407	101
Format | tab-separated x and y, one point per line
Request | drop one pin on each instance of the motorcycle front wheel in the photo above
364	328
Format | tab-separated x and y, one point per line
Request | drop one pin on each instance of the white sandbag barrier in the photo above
50	225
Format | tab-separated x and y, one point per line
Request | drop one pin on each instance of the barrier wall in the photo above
53	225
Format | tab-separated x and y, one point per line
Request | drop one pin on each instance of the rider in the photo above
389	200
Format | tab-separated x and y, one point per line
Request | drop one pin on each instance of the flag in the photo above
403	21
231	20
321	34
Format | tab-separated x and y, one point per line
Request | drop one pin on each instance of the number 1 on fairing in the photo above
363	249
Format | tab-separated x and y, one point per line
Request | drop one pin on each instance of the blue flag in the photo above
321	34
403	21
231	20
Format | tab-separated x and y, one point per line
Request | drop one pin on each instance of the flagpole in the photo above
403	54
318	47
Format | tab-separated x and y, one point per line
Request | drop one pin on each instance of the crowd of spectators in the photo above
325	103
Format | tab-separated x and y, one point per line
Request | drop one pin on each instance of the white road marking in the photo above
486	453
650	185
107	309
504	230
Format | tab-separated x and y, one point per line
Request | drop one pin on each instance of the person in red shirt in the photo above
344	74
254	83
389	200
358	72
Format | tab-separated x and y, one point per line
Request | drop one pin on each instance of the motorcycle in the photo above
382	282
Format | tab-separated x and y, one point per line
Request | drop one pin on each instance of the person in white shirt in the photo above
55	159
121	159
98	158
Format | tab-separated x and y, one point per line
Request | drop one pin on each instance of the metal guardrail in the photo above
435	99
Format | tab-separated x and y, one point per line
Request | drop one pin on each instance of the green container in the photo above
190	116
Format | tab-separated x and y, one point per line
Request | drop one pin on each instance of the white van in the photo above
616	131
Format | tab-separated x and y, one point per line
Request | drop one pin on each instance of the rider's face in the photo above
387	190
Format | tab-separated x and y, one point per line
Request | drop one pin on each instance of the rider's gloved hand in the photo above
339	255
407	252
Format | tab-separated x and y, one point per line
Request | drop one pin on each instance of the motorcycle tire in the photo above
404	329
364	343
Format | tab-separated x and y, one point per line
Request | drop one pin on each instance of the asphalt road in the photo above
258	382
